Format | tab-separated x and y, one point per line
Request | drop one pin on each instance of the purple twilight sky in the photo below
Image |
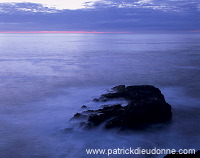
101	16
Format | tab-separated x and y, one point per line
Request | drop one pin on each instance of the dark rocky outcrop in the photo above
146	106
178	155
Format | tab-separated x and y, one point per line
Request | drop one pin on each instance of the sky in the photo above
126	16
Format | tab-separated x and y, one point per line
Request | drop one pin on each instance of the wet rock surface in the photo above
146	106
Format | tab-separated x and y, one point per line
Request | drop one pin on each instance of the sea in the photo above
46	78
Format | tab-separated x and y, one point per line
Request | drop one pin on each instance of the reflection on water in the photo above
46	78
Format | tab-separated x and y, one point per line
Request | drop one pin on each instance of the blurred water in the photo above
46	78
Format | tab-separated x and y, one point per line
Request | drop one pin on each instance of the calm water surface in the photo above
46	78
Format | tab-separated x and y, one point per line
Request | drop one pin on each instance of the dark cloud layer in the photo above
107	15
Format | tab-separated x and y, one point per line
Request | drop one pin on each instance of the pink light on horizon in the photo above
195	31
59	32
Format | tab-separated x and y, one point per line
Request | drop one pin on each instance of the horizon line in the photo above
88	32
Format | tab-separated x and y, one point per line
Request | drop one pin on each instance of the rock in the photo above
197	154
79	116
146	106
96	100
178	155
103	106
119	88
84	106
104	114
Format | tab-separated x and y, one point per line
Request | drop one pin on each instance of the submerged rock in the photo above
146	106
84	106
178	155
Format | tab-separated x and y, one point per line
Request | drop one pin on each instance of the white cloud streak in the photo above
57	4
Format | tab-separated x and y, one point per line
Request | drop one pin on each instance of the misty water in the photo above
46	78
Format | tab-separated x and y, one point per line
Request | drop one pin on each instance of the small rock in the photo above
178	155
84	106
96	100
79	116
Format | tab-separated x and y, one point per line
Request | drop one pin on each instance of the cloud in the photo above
55	4
182	6
51	6
13	8
104	15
